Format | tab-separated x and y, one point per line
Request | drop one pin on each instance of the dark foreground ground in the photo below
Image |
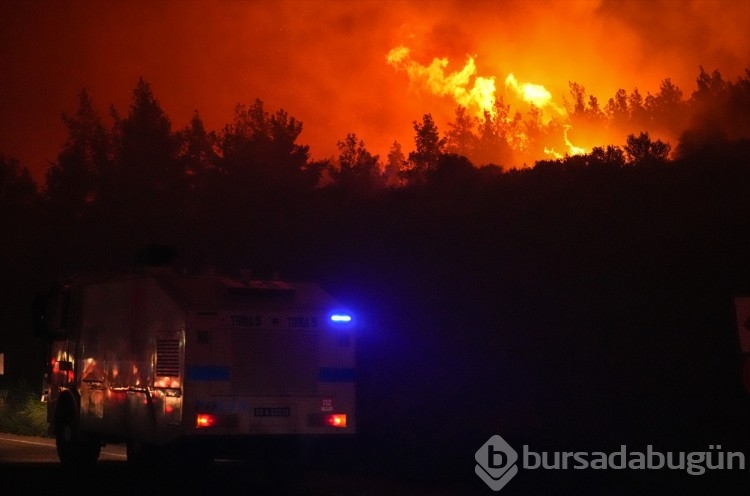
38	473
116	478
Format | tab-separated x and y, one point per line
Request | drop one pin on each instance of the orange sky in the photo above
324	61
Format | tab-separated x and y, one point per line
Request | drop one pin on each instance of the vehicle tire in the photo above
73	446
66	432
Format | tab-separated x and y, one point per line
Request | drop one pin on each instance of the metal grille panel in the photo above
274	363
168	357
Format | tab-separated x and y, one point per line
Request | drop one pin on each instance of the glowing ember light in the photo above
467	89
574	150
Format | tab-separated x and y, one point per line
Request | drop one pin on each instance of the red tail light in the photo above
335	419
205	420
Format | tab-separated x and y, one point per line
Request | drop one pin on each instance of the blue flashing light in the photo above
341	318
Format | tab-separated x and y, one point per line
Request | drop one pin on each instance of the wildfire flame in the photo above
467	89
572	149
535	94
477	93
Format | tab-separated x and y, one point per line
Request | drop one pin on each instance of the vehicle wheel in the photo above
66	432
73	446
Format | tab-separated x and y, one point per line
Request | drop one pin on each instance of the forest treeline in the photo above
576	284
242	190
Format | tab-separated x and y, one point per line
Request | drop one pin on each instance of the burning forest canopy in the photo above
545	71
484	129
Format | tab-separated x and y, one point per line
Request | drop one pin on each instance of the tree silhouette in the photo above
585	115
492	140
617	110
260	150
720	109
640	150
611	156
666	109
576	107
710	88
198	150
358	169
206	192
145	170
142	195
72	181
452	173
533	132
395	166
460	138
147	148
19	215
17	188
638	114
428	148
291	157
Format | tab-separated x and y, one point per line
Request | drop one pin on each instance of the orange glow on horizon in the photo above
369	68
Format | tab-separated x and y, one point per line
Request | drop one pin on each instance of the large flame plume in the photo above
476	93
534	94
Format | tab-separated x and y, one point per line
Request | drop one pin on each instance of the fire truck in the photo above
157	360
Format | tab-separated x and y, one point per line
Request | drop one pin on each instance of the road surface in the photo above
23	449
29	465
